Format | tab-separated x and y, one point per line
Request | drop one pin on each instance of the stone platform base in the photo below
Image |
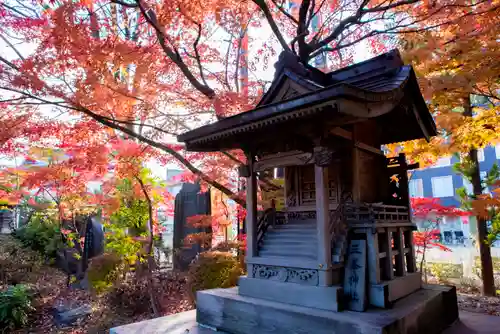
327	298
429	311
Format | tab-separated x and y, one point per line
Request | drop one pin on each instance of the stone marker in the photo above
355	276
66	314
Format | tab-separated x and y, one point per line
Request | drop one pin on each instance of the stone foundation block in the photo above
429	310
321	297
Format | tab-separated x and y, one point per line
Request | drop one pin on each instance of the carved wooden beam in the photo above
368	148
337	131
323	156
292	158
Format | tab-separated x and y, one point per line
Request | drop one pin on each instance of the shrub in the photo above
495	261
234	247
15	306
444	271
41	234
213	270
469	285
17	262
104	270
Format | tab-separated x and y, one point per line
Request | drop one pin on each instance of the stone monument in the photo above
339	258
190	201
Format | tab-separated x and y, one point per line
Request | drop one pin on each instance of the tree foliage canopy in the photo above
90	70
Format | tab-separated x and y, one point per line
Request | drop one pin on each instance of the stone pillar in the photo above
251	217
322	225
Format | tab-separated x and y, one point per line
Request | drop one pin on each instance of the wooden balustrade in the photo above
376	213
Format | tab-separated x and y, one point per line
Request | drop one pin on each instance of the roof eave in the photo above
326	95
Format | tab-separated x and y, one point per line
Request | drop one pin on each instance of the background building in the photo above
440	181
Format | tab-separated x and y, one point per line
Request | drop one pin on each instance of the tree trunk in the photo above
422	262
149	250
482	230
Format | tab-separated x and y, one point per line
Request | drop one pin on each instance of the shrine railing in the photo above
336	221
269	217
375	213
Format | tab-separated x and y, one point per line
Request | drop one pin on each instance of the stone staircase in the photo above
296	239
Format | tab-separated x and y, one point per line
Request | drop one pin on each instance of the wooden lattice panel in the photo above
307	186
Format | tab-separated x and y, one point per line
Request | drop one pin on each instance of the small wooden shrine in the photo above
344	238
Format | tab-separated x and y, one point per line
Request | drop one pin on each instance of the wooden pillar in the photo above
411	266
251	217
322	224
400	256
373	257
404	182
355	158
388	266
356	191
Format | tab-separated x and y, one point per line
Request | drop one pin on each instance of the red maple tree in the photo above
432	211
152	70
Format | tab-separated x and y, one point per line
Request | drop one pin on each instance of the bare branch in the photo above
226	72
29	7
269	17
125	4
315	13
344	24
284	12
14	100
197	54
9	63
12	46
381	8
14	10
142	124
195	47
311	13
303	31
232	157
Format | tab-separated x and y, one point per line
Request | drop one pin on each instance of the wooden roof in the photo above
381	88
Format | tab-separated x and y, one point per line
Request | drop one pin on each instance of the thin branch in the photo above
9	63
232	157
173	54
316	13
125	4
15	10
226	72
381	8
105	121
12	46
269	17
344	24
29	8
284	12
197	54
15	99
142	125
311	13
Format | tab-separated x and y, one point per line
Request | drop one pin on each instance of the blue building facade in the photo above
440	181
